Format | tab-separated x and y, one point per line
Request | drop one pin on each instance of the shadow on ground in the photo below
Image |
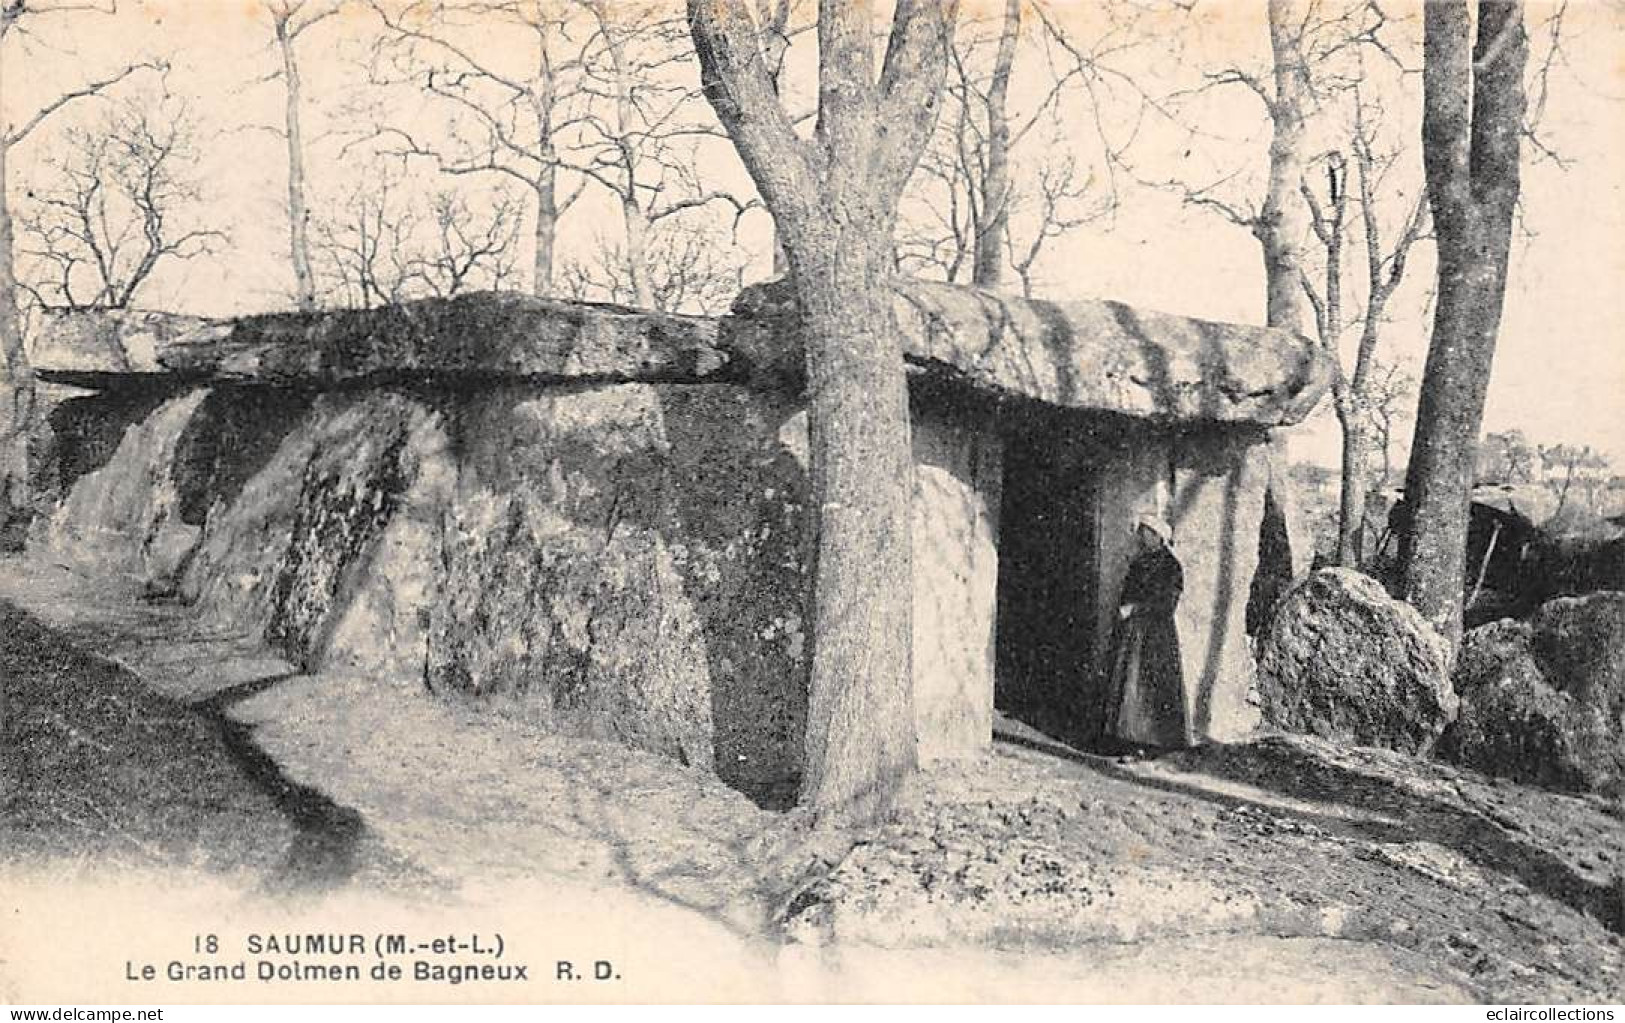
1374	796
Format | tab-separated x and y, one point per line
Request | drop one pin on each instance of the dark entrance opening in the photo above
1046	656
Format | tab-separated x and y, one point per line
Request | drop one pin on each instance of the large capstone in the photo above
1094	356
1345	661
481	335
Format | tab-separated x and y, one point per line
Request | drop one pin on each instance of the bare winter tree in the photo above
291	19
1353	390
978	211
469	247
994	224
1472	122
509	122
834	199
380	243
690	267
1313	47
1390	396
17	25
363	244
117	198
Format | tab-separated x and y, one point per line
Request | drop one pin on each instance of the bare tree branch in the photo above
115	205
95	88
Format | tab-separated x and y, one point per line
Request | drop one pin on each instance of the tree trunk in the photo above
637	249
633	218
1345	391
1352	496
860	740
543	236
1473	107
835	202
1281	221
987	268
299	247
17	396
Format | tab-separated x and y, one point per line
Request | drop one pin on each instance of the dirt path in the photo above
360	789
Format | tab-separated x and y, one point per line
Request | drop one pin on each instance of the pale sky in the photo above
1560	365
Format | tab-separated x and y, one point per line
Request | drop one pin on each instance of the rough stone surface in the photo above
1288	836
1344	660
381	628
125	516
630	559
78	432
233	434
1572	562
1216	508
1096	356
483	334
1541	703
956	570
626	561
534	505
231	577
287	555
1285	541
348	492
1093	355
1580	643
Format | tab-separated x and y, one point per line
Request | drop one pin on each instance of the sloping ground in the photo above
95	767
1510	892
1284	870
462	795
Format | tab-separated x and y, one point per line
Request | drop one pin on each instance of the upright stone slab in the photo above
230	578
629	561
956	572
382	626
125	517
1216	506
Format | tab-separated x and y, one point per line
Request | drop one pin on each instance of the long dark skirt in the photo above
1146	694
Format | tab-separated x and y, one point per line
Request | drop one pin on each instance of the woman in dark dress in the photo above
1146	694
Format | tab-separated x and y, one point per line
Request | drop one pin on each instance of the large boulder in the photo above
1574	554
1544	701
1580	644
1345	661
